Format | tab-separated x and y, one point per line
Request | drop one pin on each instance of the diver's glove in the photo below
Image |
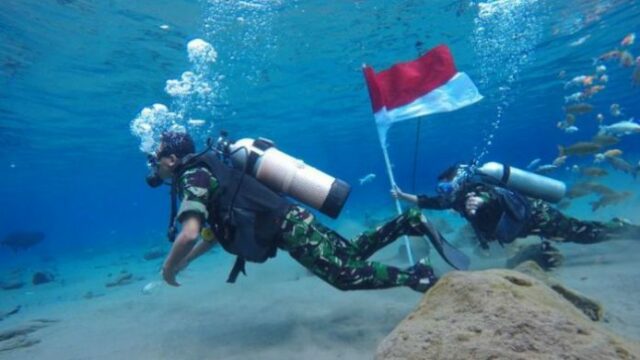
544	254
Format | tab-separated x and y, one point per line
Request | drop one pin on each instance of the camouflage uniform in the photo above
545	220
549	223
195	187
343	263
323	251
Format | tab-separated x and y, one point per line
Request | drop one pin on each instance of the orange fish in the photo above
593	90
628	40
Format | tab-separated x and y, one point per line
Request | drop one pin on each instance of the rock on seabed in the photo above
500	314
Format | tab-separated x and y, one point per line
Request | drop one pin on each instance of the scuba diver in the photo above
225	199
503	203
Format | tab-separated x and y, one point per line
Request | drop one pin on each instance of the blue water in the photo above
75	73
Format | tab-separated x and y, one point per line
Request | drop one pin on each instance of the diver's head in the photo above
173	147
451	179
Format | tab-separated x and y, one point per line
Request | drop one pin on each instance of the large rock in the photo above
500	314
590	307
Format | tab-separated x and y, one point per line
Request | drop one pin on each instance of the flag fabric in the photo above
428	85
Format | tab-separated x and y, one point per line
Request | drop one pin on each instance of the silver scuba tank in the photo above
529	184
286	174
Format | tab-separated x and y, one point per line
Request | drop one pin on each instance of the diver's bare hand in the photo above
169	276
473	203
396	193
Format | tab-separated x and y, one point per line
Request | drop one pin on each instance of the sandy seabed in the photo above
279	311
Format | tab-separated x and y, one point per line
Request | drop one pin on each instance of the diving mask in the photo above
449	188
153	179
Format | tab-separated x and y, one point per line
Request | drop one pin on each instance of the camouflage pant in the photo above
343	263
548	222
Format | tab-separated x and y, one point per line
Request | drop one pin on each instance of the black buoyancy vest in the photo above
244	214
514	212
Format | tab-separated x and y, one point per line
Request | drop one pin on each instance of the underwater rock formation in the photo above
22	240
593	309
20	336
11	284
500	314
42	277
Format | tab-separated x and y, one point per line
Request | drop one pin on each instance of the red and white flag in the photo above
427	85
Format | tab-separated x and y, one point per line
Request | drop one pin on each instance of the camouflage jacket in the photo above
195	188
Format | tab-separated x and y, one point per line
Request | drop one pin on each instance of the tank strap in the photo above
238	267
506	172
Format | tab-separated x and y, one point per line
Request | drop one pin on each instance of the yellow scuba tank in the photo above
286	174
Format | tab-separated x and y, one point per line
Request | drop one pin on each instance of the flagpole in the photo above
393	186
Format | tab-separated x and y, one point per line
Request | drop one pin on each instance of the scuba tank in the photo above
286	174
530	184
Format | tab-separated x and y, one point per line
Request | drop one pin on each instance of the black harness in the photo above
245	215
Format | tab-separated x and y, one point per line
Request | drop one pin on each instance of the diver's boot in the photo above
422	276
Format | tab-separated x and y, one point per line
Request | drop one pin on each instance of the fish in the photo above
533	163
559	161
367	179
575	97
628	40
589	92
578	190
635	77
594	171
626	59
545	169
620	164
615	110
621	128
610	55
579	108
600	69
605	140
580	41
600	189
587	187
600	118
196	122
580	148
571	129
604	79
611	199
612	153
22	240
581	80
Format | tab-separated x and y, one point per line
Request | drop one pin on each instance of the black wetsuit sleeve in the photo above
432	202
